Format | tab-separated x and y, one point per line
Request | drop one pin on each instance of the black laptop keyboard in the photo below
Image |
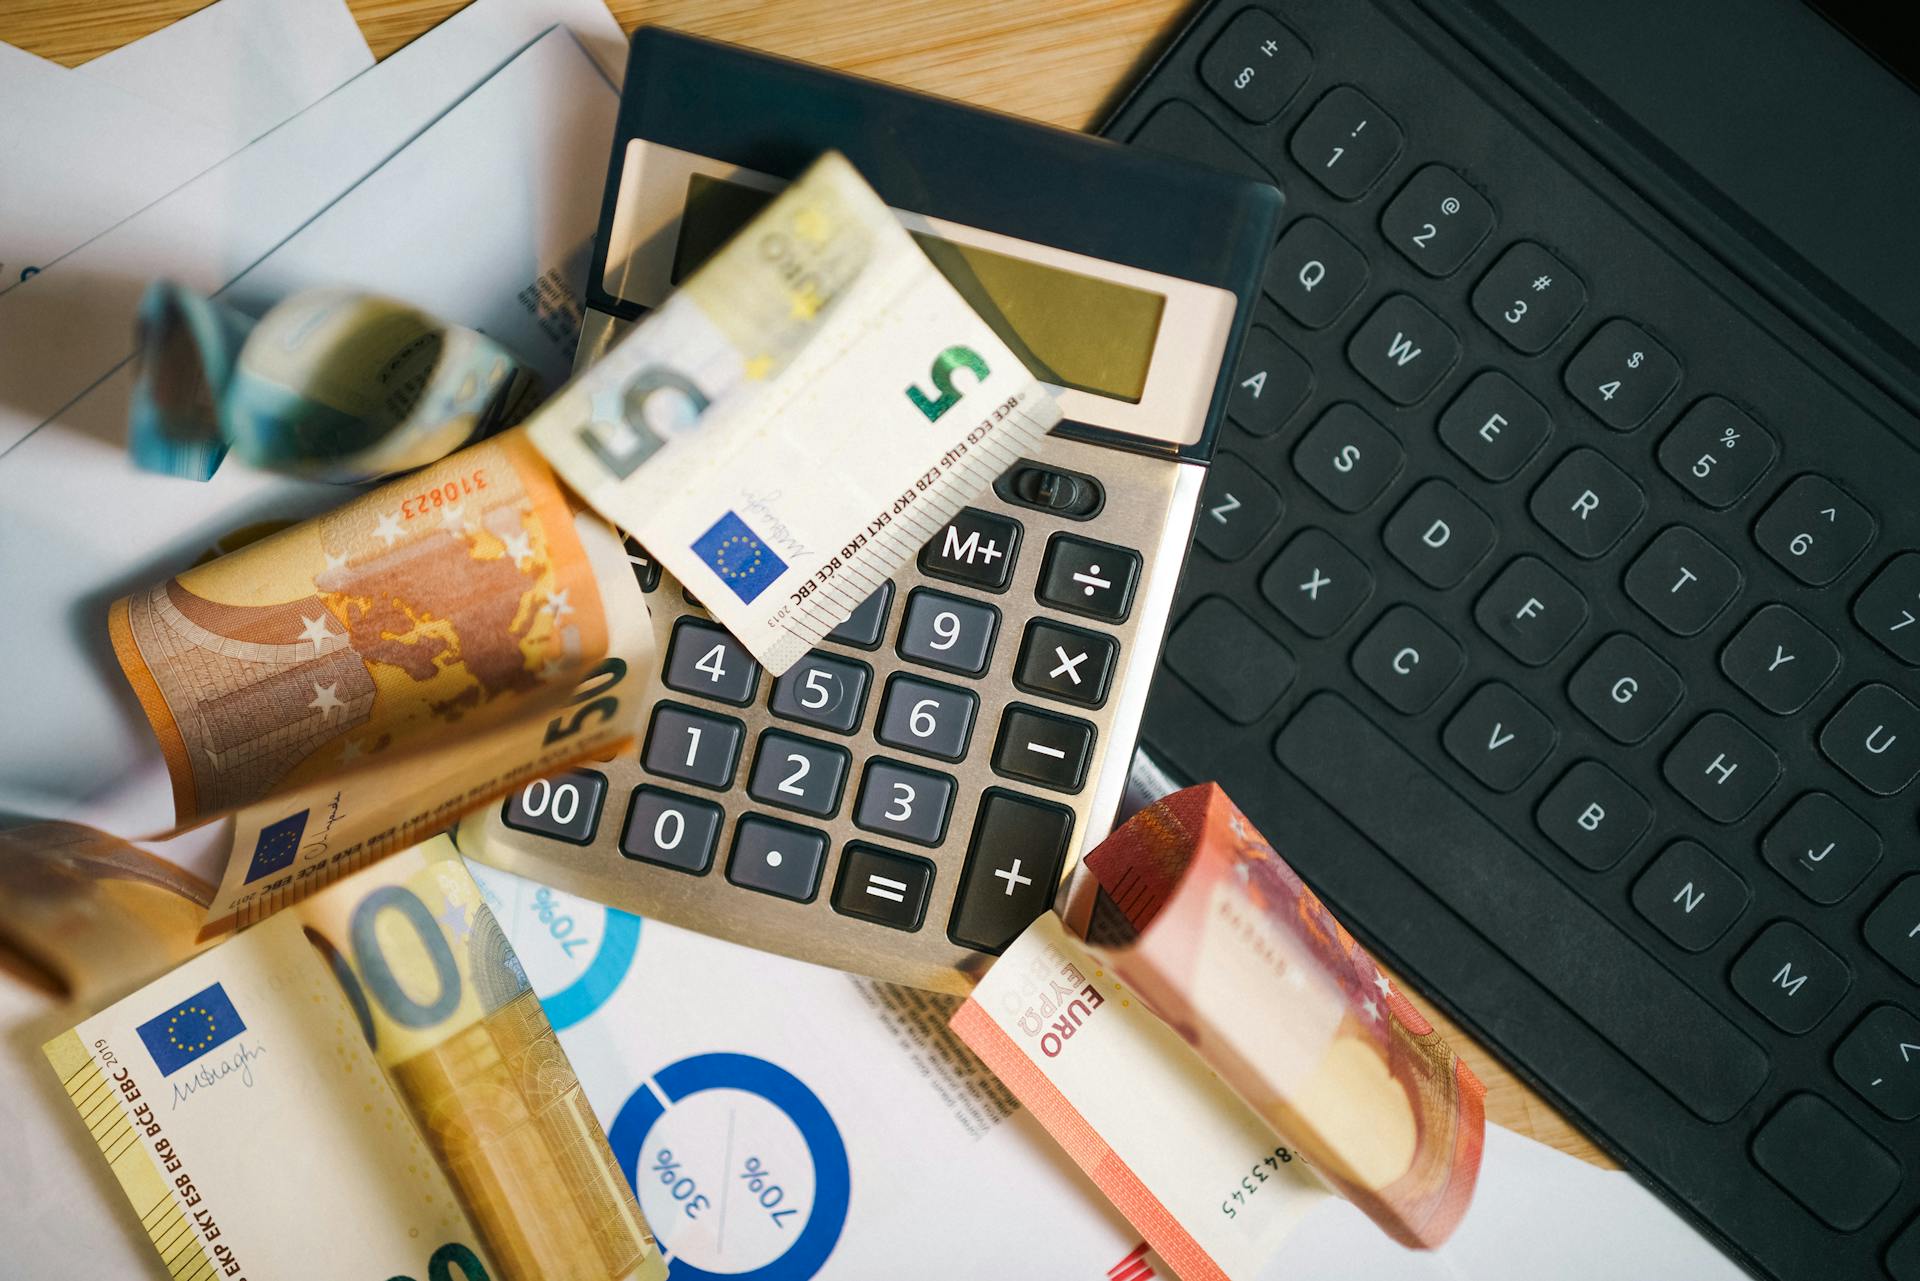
1547	560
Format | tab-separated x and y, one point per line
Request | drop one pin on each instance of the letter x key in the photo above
1316	583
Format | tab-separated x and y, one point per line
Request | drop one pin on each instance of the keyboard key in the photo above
865	625
1903	1256
1814	530
1682	580
671	830
1229	660
777	858
1316	583
949	632
1494	426
1825	1162
1875	738
1085	577
1407	659
1893	928
565	807
1791	977
1256	65
1270	382
1403	349
1521	908
1178	129
1821	847
1437	220
1880	1059
1587	503
1348	457
1065	662
1346	142
1723	767
899	800
1039	747
798	773
1716	452
976	548
1314	273
705	659
1625	688
1528	298
881	886
1690	896
1780	660
1889	610
1594	816
1499	737
926	716
1621	375
822	690
694	747
1531	611
1237	509
1012	869
1439	534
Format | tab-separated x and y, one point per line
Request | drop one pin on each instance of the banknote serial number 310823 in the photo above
444	495
1250	1181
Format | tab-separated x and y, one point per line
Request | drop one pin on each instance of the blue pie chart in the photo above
786	1092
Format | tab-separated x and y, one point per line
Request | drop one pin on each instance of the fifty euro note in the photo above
362	1087
799	418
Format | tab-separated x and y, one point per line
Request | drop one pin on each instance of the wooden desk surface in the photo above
1061	61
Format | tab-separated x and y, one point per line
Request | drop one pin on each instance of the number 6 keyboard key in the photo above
926	717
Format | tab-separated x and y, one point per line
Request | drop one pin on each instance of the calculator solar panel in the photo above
1555	604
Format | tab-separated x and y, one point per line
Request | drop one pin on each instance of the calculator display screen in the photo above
1071	329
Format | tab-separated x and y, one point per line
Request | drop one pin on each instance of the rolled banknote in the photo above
380	1044
82	911
330	384
441	606
1196	1171
1199	916
804	413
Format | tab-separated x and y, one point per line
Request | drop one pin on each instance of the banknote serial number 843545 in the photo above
1250	1181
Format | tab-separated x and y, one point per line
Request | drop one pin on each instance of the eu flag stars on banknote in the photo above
190	1029
734	552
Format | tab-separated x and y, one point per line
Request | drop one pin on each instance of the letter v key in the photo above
1497	739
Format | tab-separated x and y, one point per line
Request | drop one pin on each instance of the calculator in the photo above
906	798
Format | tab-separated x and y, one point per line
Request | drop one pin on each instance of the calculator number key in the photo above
692	746
865	624
1437	220
1621	375
926	717
706	660
949	632
565	807
798	774
671	830
823	691
1528	298
899	800
1814	530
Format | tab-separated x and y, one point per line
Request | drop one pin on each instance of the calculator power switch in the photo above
1071	494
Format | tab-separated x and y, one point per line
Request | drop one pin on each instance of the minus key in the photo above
1041	747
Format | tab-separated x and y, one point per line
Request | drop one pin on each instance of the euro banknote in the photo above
799	418
363	1086
1196	1171
330	384
1199	915
83	912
